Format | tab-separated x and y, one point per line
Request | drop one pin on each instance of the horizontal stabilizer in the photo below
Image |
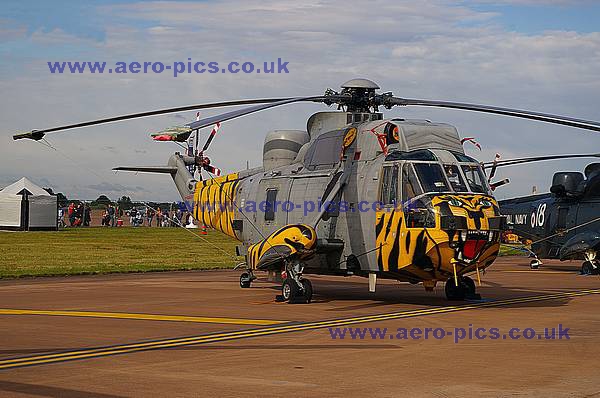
148	169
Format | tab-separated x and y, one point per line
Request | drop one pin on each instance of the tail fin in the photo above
177	168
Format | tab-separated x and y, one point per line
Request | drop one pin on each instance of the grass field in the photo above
512	250
105	250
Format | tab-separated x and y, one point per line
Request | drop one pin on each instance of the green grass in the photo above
511	250
107	250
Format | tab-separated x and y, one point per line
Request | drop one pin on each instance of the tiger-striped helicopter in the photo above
353	194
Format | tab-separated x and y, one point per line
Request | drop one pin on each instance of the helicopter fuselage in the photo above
413	208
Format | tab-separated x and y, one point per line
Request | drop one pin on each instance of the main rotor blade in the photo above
39	134
251	109
148	169
544	117
512	162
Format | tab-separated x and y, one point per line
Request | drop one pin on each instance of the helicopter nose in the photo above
473	245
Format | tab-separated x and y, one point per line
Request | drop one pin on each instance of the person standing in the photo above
166	218
79	215
111	214
71	213
159	217
132	216
149	215
87	216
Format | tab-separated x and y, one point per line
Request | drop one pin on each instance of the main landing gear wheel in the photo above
308	290
587	268
245	280
293	294
465	289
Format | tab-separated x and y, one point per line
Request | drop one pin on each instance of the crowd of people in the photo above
164	218
79	215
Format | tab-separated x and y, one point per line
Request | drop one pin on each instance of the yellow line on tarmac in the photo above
235	335
534	271
144	317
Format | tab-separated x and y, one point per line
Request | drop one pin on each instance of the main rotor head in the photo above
357	95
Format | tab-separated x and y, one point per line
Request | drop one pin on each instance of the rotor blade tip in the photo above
32	135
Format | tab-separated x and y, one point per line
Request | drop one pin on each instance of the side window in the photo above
325	151
389	185
270	206
410	185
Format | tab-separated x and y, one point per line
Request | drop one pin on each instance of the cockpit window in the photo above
432	177
456	180
475	178
461	157
420	154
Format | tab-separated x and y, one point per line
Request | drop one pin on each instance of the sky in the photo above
541	55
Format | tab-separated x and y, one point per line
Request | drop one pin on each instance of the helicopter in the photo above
353	194
564	223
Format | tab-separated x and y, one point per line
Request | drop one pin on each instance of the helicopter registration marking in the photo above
265	331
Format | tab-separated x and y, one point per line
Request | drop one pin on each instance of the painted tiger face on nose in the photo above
476	208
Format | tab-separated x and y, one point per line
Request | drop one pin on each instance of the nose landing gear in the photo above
591	266
246	279
465	289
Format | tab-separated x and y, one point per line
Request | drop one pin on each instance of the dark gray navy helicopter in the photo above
564	223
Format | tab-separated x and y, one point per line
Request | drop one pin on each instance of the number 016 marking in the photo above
538	217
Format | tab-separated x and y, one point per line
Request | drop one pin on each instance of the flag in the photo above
472	141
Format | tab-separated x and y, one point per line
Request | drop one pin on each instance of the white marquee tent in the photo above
25	206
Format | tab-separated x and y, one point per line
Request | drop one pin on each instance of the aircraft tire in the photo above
245	280
290	291
454	292
469	284
308	290
588	269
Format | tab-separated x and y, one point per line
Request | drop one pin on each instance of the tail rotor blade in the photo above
212	170
211	136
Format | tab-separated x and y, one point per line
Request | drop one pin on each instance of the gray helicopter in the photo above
353	194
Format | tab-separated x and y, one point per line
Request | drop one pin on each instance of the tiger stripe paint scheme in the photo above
214	201
286	242
426	253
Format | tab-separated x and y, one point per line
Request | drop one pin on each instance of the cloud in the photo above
106	187
430	49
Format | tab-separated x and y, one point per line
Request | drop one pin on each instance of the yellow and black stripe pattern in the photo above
477	209
416	252
290	240
214	203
